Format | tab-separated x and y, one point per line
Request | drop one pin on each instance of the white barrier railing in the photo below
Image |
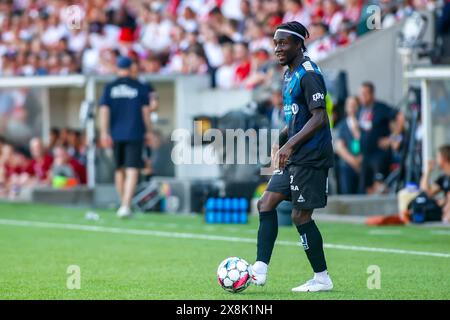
435	108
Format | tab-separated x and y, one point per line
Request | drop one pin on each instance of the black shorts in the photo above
128	154
305	187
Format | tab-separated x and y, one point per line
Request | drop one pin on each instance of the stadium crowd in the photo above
61	163
230	39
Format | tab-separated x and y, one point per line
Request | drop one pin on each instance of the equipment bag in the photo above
424	208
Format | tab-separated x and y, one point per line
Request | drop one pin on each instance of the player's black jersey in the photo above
304	90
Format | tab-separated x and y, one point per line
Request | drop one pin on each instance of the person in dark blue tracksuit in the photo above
303	158
125	124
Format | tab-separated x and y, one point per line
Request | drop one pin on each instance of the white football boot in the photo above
259	273
315	285
124	212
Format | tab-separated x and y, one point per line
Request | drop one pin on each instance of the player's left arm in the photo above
315	92
146	112
153	98
154	101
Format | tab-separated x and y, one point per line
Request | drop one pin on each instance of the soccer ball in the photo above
234	274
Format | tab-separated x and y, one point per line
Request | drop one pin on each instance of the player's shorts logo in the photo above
294	108
301	199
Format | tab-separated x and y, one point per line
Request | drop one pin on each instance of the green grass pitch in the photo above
137	258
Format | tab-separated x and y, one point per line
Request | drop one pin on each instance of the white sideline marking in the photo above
197	236
441	232
381	232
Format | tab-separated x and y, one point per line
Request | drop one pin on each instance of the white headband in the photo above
291	32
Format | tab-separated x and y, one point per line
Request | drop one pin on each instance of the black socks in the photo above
313	244
267	234
309	234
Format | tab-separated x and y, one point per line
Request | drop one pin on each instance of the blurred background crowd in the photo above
229	39
39	164
62	163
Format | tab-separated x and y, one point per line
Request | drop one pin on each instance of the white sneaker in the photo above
124	212
314	285
258	279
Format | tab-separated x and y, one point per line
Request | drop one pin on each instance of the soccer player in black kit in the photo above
303	157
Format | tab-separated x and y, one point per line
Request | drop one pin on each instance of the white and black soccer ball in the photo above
234	274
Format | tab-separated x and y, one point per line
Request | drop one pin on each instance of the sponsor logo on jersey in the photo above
123	91
294	108
287	112
317	96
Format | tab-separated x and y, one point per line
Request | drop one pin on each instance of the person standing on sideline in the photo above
124	124
374	118
348	148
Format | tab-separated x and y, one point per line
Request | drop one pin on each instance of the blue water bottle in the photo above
209	212
219	211
227	210
243	206
235	210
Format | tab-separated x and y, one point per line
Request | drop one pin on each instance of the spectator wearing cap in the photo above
124	124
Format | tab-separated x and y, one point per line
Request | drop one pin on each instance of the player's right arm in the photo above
154	101
105	138
430	189
148	106
282	139
104	114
